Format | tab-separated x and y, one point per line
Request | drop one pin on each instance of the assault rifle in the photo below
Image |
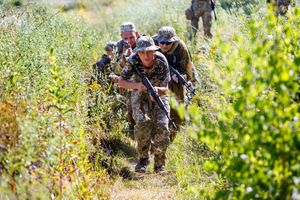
181	79
126	44
213	8
155	96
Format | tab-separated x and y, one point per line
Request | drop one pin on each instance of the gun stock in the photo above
155	96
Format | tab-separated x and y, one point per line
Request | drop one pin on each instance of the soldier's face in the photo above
147	58
165	46
130	36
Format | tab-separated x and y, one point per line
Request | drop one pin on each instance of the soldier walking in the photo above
177	54
151	121
203	9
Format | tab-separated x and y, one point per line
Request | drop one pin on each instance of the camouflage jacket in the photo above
102	69
179	58
119	53
158	74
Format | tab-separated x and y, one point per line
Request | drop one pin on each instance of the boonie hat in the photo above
127	26
166	34
145	43
110	46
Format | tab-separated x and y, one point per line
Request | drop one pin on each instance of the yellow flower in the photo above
214	45
212	51
10	102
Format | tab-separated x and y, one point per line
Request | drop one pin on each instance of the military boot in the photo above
142	165
161	170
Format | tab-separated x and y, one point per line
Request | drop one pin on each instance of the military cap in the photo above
127	26
110	46
166	34
145	43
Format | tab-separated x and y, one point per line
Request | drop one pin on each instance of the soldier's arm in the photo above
163	89
185	63
131	85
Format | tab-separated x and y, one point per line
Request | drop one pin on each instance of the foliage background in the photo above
241	138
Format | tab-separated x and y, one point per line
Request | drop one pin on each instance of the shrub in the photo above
257	132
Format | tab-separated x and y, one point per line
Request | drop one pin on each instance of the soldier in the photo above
102	71
179	58
200	8
151	121
126	45
104	67
125	48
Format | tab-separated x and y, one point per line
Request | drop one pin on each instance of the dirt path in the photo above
148	186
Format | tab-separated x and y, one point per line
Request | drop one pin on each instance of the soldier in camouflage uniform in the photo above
151	121
177	54
130	35
102	70
104	67
200	8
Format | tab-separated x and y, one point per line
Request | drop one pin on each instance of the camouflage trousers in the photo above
127	94
178	121
151	124
201	9
179	92
129	111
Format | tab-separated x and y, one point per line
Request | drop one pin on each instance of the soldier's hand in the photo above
175	78
127	51
141	87
113	78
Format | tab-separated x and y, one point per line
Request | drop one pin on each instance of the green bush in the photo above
257	132
46	58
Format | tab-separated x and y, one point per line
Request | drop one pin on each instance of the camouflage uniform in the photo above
283	6
127	26
104	67
201	8
151	121
179	58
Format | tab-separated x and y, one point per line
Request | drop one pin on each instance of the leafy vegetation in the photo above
62	136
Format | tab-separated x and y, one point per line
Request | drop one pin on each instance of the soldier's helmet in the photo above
127	26
110	46
166	34
145	43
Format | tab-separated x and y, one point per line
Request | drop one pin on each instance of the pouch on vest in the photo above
189	14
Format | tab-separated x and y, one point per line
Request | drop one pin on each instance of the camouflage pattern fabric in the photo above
120	45
151	121
179	58
201	8
127	26
122	91
102	69
129	110
283	6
